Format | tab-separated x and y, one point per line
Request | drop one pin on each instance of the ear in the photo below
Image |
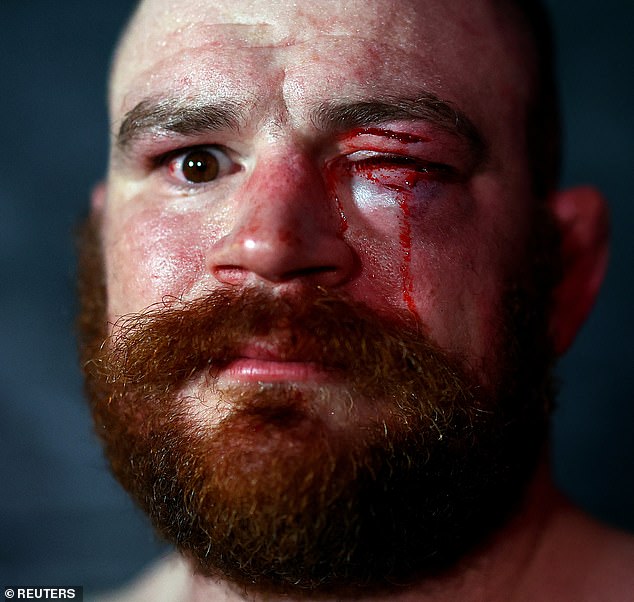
583	220
98	197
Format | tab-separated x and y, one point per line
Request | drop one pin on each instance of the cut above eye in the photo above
199	165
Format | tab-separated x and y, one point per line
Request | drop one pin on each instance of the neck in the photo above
491	573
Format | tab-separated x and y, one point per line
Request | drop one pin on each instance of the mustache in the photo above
164	346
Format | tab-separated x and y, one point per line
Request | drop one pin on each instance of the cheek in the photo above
153	255
432	251
453	274
413	238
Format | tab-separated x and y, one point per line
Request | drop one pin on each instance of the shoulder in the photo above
609	561
167	580
582	559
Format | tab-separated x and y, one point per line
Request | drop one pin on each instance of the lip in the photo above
252	370
264	362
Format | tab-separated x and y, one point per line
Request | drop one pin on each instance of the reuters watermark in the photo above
71	592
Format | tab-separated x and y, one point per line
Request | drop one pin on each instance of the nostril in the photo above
309	272
235	275
230	274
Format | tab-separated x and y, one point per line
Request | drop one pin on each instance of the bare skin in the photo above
298	199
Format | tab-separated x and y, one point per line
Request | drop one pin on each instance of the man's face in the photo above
406	214
361	155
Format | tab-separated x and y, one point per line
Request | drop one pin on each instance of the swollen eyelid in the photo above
400	170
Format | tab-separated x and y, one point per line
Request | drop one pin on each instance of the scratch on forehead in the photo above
271	23
249	35
235	35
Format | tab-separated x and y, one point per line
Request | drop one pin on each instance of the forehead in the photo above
465	51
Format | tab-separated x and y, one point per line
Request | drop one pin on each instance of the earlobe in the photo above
582	216
98	197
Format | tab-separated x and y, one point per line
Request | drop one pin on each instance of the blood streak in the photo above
332	176
405	238
403	186
343	220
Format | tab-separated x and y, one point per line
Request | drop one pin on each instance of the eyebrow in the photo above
341	116
189	117
180	116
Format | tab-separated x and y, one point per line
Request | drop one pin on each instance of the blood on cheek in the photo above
392	198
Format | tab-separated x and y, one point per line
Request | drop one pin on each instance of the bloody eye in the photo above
200	165
399	171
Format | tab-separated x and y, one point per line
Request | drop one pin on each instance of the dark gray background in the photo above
62	519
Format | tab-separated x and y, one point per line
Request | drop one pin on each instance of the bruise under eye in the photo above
200	166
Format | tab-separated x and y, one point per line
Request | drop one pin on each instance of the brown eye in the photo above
197	166
200	166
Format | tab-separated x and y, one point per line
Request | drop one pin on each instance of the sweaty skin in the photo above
272	219
414	213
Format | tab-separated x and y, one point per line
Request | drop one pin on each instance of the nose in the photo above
287	228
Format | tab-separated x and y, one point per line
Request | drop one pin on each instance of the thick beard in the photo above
273	494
